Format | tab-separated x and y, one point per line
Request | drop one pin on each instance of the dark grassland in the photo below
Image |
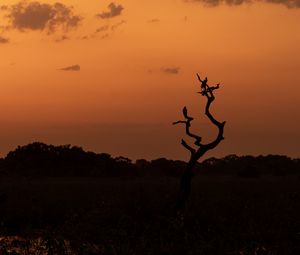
225	215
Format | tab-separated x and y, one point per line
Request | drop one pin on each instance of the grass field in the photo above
225	215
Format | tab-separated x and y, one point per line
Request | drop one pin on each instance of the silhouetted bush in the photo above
42	159
39	159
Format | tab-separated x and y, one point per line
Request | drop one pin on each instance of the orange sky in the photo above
125	96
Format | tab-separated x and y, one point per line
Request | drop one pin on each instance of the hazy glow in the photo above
123	101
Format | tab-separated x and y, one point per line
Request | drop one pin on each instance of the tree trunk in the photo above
185	186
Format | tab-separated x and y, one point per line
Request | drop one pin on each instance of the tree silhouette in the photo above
201	149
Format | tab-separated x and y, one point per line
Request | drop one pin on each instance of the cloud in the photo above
114	10
42	16
75	68
105	36
213	3
287	3
115	26
153	20
102	29
171	70
3	40
3	7
62	38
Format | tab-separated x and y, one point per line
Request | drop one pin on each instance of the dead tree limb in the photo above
201	148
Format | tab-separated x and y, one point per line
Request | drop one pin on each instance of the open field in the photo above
226	215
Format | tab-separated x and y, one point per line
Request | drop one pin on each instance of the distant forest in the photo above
39	159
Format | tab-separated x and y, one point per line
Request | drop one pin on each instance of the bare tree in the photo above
201	149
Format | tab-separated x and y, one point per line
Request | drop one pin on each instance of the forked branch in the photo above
187	123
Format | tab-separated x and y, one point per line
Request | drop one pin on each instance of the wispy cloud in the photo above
171	70
153	21
62	38
105	36
214	3
105	31
75	68
3	40
115	26
113	11
102	29
3	7
41	16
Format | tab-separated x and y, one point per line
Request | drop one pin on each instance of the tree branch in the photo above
185	145
208	92
187	123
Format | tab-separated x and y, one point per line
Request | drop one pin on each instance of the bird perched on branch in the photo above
204	85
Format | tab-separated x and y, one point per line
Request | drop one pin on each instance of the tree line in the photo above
40	159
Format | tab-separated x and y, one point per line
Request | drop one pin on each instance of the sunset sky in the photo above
113	76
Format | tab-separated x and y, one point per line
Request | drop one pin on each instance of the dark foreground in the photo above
226	215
